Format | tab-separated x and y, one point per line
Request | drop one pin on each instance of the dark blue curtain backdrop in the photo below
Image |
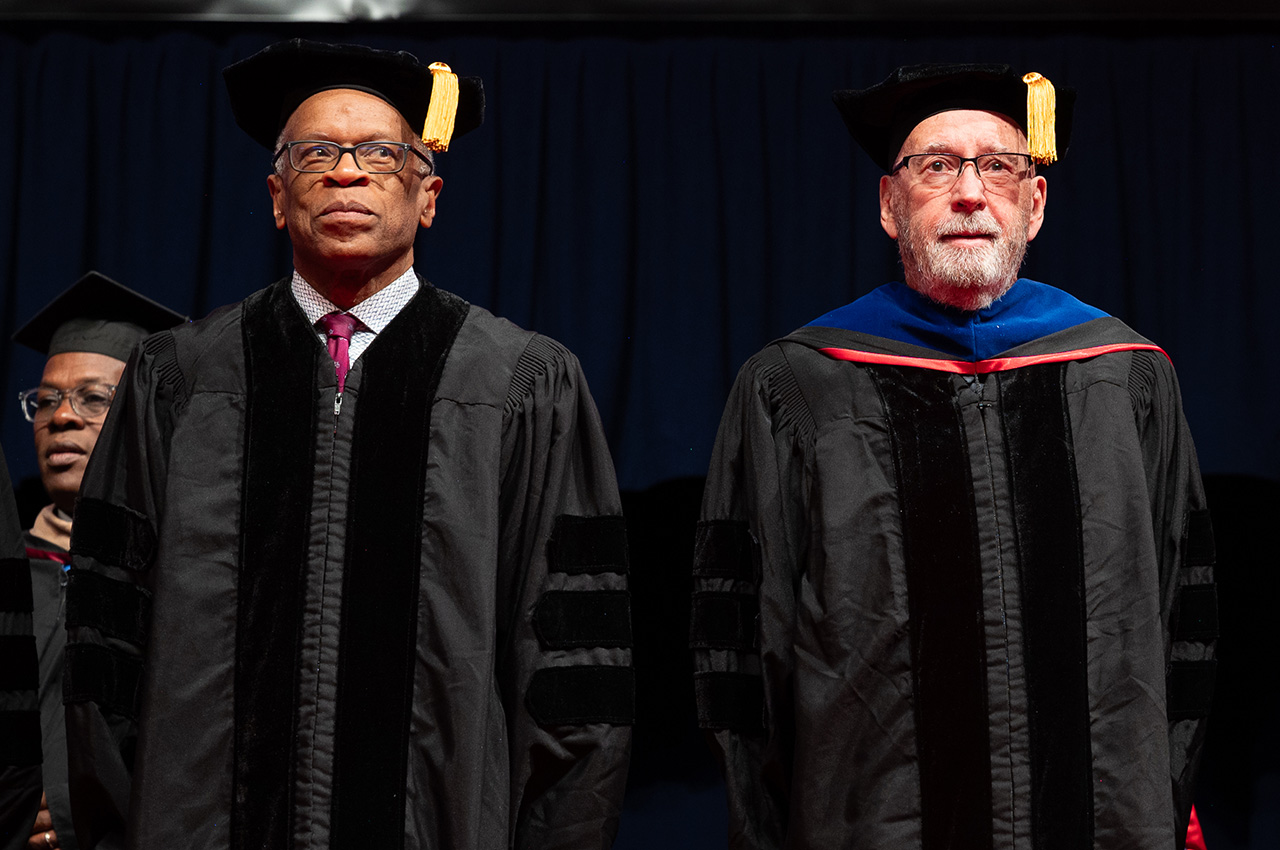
667	200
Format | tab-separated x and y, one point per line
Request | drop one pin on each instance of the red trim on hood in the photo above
1195	838
44	554
984	367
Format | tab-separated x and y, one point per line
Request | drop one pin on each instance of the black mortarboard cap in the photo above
267	87
98	315
881	117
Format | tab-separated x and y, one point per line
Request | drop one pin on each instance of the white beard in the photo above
968	278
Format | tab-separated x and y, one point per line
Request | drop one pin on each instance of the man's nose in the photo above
64	414
346	172
968	194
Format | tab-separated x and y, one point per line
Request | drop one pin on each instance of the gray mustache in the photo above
981	221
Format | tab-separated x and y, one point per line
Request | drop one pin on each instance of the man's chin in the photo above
63	487
967	297
347	251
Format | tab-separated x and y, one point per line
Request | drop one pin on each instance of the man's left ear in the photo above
1038	199
430	188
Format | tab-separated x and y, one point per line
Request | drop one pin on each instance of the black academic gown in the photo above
19	679
49	597
943	610
405	625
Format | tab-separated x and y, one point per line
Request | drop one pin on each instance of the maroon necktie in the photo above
338	327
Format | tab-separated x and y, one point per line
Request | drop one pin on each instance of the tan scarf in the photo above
53	525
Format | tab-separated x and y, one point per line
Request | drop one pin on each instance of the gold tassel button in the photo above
1041	135
443	109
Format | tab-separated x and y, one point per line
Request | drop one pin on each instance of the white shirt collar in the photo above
376	311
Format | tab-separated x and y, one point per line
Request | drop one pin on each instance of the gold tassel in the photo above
443	109
1041	136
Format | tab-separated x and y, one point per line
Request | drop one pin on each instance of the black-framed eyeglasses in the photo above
311	156
941	170
88	401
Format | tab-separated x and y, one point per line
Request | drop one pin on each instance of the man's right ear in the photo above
276	188
886	207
